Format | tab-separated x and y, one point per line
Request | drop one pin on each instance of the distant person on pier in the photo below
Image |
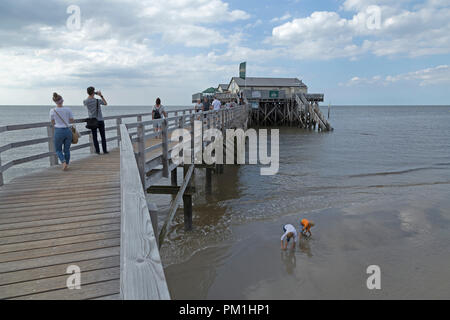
198	107
95	111
306	226
290	233
157	113
206	105
216	104
61	118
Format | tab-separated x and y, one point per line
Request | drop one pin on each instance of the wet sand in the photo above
410	244
378	192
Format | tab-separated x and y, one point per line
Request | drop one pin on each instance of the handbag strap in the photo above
97	108
54	110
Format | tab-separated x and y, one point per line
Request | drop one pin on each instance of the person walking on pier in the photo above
157	113
216	104
61	117
95	112
290	233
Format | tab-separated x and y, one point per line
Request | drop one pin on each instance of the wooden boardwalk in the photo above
51	220
94	216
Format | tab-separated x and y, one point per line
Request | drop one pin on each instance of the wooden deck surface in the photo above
52	219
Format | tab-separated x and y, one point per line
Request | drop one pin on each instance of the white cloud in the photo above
430	76
287	16
424	30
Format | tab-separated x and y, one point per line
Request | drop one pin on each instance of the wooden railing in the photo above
50	150
159	165
141	271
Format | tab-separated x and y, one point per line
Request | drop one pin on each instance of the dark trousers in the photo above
101	128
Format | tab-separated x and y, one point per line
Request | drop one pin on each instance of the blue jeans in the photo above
63	138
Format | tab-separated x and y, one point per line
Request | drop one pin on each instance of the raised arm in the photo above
103	98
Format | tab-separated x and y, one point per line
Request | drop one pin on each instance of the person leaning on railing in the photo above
61	117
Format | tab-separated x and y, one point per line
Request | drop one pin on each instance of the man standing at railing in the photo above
95	112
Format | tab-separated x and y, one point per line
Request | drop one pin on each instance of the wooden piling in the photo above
187	203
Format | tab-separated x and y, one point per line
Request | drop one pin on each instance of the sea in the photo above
377	189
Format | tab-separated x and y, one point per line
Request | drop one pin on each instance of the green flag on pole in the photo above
243	70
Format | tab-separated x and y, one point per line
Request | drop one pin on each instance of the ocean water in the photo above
378	189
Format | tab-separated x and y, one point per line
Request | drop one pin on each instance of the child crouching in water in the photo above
289	234
306	227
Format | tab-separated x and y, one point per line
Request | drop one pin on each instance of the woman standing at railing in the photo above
61	117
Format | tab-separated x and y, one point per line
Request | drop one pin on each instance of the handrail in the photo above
141	271
50	134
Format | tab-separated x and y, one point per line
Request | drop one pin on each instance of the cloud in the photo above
425	77
140	42
421	31
287	16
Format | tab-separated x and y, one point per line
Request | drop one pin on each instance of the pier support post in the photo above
165	148
118	123
51	145
187	204
174	177
1	171
208	185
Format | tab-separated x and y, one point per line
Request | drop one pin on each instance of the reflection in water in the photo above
289	259
305	246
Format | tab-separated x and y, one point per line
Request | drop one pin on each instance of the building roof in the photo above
268	82
224	86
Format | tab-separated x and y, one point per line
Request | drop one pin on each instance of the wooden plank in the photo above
90	207
112	297
59	215
170	190
57	242
57	221
22	202
62	249
21	290
58	270
90	291
68	258
142	275
66	226
59	234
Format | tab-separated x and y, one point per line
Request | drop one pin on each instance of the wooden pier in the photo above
96	216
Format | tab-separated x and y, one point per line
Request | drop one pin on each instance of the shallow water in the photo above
378	190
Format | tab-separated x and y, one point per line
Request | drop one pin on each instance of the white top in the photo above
64	113
216	104
289	228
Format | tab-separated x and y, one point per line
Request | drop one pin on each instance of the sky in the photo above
376	52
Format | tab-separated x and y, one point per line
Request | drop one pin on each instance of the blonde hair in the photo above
290	235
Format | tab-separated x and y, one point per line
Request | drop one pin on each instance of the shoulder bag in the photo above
75	133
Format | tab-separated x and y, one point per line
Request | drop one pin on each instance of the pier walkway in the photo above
94	217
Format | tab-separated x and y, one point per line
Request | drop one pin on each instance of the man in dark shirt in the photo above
95	111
